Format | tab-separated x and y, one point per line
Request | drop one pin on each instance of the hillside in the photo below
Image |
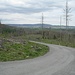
40	25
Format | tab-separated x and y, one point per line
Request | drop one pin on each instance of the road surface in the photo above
59	60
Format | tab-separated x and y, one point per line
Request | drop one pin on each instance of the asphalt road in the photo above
59	60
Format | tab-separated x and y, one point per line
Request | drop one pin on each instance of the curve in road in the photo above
54	62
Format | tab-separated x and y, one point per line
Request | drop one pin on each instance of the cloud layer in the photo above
29	11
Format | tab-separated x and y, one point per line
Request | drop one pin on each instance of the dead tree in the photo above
67	12
42	26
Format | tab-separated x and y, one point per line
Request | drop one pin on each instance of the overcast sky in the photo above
30	11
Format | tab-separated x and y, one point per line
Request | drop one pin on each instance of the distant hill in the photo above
40	26
31	25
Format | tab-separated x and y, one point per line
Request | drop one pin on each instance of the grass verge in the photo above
58	42
10	51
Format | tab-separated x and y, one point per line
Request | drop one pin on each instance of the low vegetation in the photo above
21	49
10	51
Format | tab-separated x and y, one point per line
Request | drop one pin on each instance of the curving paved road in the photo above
59	60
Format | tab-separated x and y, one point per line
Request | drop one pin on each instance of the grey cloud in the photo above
35	7
22	10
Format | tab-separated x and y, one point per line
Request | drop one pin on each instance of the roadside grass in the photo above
58	42
63	42
18	51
